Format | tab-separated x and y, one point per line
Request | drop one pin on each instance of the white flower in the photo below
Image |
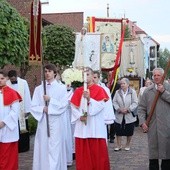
72	74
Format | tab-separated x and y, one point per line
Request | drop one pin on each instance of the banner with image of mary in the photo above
111	31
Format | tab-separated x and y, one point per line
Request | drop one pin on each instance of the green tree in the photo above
164	57
60	45
127	32
13	36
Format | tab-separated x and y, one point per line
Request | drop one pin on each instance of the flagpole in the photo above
85	64
37	46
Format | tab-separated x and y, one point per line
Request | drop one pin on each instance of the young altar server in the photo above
9	133
50	152
21	86
90	131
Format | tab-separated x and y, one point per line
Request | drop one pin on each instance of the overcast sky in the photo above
151	15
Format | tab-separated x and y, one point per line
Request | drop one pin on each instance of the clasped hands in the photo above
123	110
86	95
46	99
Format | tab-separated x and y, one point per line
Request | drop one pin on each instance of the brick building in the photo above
73	20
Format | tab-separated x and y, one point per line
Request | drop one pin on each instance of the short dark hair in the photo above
90	69
3	73
97	72
51	67
12	73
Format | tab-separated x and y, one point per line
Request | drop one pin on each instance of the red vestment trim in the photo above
10	95
91	153
96	92
9	156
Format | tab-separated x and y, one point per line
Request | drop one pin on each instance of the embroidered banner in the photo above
87	51
35	33
132	63
111	30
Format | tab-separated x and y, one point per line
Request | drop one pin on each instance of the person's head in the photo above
105	81
124	83
90	75
148	82
12	75
3	78
96	77
50	72
157	75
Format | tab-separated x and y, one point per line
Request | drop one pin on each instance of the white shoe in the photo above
127	148
117	148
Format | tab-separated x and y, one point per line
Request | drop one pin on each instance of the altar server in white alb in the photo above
50	152
90	130
9	133
21	86
67	126
109	112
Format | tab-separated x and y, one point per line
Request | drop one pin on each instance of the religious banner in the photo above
111	31
132	60
87	51
35	33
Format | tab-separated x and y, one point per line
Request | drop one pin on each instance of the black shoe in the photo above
74	156
111	140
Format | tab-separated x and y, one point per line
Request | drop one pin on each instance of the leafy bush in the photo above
13	36
32	124
76	84
60	44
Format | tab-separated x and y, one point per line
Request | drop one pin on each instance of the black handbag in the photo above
134	112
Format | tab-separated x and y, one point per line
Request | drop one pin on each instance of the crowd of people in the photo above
64	129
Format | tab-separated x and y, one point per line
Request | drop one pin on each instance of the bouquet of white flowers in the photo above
71	74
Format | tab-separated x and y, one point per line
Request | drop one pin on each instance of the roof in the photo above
72	19
135	29
22	6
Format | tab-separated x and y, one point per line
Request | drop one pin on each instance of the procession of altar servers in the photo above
44	146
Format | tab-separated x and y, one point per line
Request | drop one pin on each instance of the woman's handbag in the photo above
134	112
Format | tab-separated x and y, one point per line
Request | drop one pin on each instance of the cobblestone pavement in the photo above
135	159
